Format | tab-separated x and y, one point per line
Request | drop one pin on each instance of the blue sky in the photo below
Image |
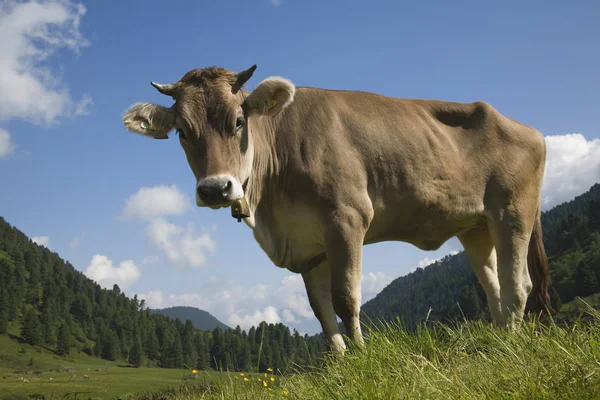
120	207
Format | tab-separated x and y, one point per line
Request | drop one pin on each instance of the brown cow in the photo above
326	171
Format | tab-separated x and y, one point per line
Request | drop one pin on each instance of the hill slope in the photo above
572	243
46	303
200	319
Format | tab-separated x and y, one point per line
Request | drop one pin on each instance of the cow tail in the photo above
537	263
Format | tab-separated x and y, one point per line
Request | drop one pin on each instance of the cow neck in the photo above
265	164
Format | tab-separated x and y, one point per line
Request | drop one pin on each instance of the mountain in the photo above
448	289
48	304
200	319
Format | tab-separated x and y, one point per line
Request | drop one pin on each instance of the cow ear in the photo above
270	97
149	119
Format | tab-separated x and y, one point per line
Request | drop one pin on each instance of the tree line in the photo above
59	308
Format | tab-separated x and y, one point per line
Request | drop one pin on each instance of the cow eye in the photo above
239	124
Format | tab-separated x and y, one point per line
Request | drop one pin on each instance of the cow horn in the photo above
242	77
166	89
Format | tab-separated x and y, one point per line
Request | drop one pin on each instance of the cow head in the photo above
213	117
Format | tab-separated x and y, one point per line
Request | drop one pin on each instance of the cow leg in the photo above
511	234
482	255
344	238
318	288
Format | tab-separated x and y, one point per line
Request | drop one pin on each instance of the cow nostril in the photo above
227	187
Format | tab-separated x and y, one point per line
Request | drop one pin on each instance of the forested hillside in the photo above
47	302
449	287
201	319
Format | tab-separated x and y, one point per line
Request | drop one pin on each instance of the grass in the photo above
108	379
471	360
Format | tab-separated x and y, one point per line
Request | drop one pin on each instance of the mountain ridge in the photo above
201	319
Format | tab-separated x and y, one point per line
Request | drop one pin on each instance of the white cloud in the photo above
32	32
428	261
150	260
289	317
237	304
373	283
154	299
276	3
157	299
102	271
234	305
156	201
292	295
41	240
190	299
181	245
7	144
572	167
268	314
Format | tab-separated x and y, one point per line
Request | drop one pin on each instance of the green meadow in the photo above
470	360
65	375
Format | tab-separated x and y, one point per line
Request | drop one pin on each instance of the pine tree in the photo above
151	347
30	330
98	347
3	321
217	350
64	340
109	345
470	303
135	354
177	352
48	327
585	279
594	214
201	344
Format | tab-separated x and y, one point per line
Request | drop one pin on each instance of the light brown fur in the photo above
327	171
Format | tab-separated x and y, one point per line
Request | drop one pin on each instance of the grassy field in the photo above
108	379
468	361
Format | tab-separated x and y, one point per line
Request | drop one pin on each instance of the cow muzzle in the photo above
218	191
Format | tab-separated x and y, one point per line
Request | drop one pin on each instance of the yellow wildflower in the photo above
270	369
194	372
264	383
245	379
272	379
285	392
241	374
270	388
265	374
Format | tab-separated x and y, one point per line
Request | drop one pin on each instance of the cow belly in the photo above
426	222
423	234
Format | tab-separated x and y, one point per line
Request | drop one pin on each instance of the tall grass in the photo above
470	360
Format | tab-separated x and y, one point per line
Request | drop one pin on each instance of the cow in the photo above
319	173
